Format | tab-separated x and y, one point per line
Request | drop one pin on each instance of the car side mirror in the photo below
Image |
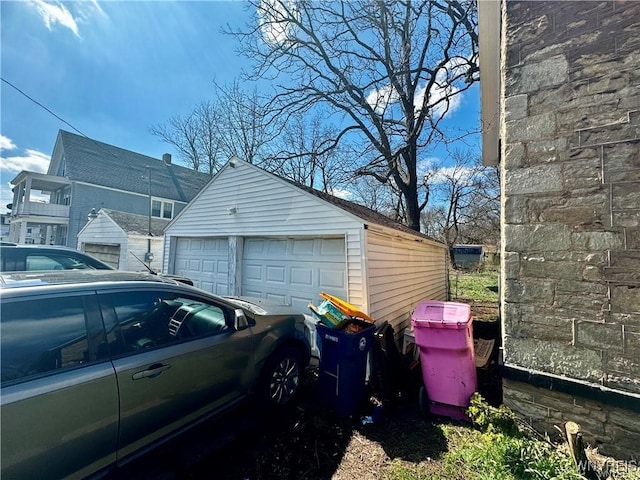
240	319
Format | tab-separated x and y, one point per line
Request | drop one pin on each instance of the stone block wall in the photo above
571	199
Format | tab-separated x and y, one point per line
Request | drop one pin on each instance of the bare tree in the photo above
389	70
191	136
234	123
244	127
467	198
299	154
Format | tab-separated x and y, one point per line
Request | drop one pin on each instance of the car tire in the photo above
281	379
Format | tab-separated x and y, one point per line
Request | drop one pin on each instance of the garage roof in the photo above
365	213
137	224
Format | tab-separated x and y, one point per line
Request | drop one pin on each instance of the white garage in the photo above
123	241
251	233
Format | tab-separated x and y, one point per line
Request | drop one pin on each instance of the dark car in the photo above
98	366
15	258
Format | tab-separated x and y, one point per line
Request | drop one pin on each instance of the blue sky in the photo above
113	69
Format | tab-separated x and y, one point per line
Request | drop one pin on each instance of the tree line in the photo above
357	98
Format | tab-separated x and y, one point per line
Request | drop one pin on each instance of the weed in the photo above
498	448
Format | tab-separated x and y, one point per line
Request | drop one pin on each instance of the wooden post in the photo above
578	454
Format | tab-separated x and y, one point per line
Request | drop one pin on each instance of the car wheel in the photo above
281	378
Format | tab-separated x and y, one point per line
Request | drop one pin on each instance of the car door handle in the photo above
152	372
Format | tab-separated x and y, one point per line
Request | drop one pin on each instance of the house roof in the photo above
98	163
132	223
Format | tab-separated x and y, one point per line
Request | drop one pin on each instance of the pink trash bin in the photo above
443	332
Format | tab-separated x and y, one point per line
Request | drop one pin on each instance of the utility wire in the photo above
41	105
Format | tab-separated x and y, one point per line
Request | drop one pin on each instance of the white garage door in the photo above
205	261
294	270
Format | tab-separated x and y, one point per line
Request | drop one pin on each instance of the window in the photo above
42	335
167	210
147	319
161	209
156	205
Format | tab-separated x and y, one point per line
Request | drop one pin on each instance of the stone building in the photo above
560	88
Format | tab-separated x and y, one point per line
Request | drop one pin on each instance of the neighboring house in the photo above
5	220
252	233
117	238
86	174
568	82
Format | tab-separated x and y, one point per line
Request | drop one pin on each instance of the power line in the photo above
41	105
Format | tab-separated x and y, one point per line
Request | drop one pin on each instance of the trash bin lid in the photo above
437	312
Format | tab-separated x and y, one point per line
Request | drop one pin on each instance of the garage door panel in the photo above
275	275
301	276
332	246
300	303
253	272
279	298
302	247
208	266
223	266
194	265
331	279
276	247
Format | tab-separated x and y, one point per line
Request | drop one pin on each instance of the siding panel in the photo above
402	272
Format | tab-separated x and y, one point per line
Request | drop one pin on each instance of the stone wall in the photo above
571	197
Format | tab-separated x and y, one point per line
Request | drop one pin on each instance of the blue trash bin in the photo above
343	366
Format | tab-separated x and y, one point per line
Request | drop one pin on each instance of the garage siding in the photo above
265	206
138	245
401	272
356	280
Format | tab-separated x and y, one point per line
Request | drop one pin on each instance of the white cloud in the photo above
381	98
274	20
33	161
87	9
6	143
444	88
426	165
56	13
444	97
345	194
462	175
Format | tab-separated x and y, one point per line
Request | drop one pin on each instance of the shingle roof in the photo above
362	212
137	224
99	163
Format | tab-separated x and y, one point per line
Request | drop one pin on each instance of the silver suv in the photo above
100	365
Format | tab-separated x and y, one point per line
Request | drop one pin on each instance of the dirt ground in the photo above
311	441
